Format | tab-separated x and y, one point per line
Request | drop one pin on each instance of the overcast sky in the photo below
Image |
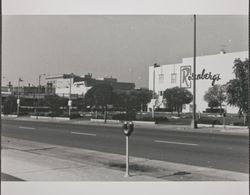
119	46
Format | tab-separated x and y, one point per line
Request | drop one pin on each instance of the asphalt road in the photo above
227	152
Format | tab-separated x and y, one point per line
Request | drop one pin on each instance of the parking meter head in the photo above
128	128
125	128
125	125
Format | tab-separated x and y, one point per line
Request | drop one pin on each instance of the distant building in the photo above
29	91
210	69
29	95
78	86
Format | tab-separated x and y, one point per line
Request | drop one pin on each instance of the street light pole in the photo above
194	121
38	91
153	109
18	95
70	102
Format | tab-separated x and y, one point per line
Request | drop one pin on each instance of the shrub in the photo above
157	119
74	115
238	123
209	121
130	115
164	110
161	119
120	116
23	114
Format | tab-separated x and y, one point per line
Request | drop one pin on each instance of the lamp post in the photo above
194	121
18	95
38	91
153	109
70	101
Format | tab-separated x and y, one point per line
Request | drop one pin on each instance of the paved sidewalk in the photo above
33	161
202	128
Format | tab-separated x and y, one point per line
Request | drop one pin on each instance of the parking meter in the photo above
128	128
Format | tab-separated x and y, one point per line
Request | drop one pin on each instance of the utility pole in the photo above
153	109
194	121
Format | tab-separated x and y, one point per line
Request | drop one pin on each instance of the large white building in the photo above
217	69
65	85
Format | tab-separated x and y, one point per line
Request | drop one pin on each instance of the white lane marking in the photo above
179	143
79	133
22	127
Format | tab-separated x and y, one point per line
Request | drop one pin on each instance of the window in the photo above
173	77
161	78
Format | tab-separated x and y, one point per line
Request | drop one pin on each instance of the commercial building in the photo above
30	96
210	69
28	92
77	86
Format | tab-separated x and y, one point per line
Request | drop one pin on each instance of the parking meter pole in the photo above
127	158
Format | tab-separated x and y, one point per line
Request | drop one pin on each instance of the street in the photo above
220	151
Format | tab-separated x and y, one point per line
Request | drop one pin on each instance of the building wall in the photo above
80	85
219	65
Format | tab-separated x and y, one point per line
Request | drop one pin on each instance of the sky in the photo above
119	46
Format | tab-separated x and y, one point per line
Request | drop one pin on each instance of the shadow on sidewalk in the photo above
6	177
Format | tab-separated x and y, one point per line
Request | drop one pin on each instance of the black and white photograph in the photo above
124	98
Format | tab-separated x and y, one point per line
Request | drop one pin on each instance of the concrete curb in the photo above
9	115
119	121
144	122
102	121
222	126
51	118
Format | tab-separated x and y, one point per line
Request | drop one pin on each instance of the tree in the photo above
100	96
131	101
10	104
237	88
55	103
79	103
215	96
176	97
127	100
143	97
